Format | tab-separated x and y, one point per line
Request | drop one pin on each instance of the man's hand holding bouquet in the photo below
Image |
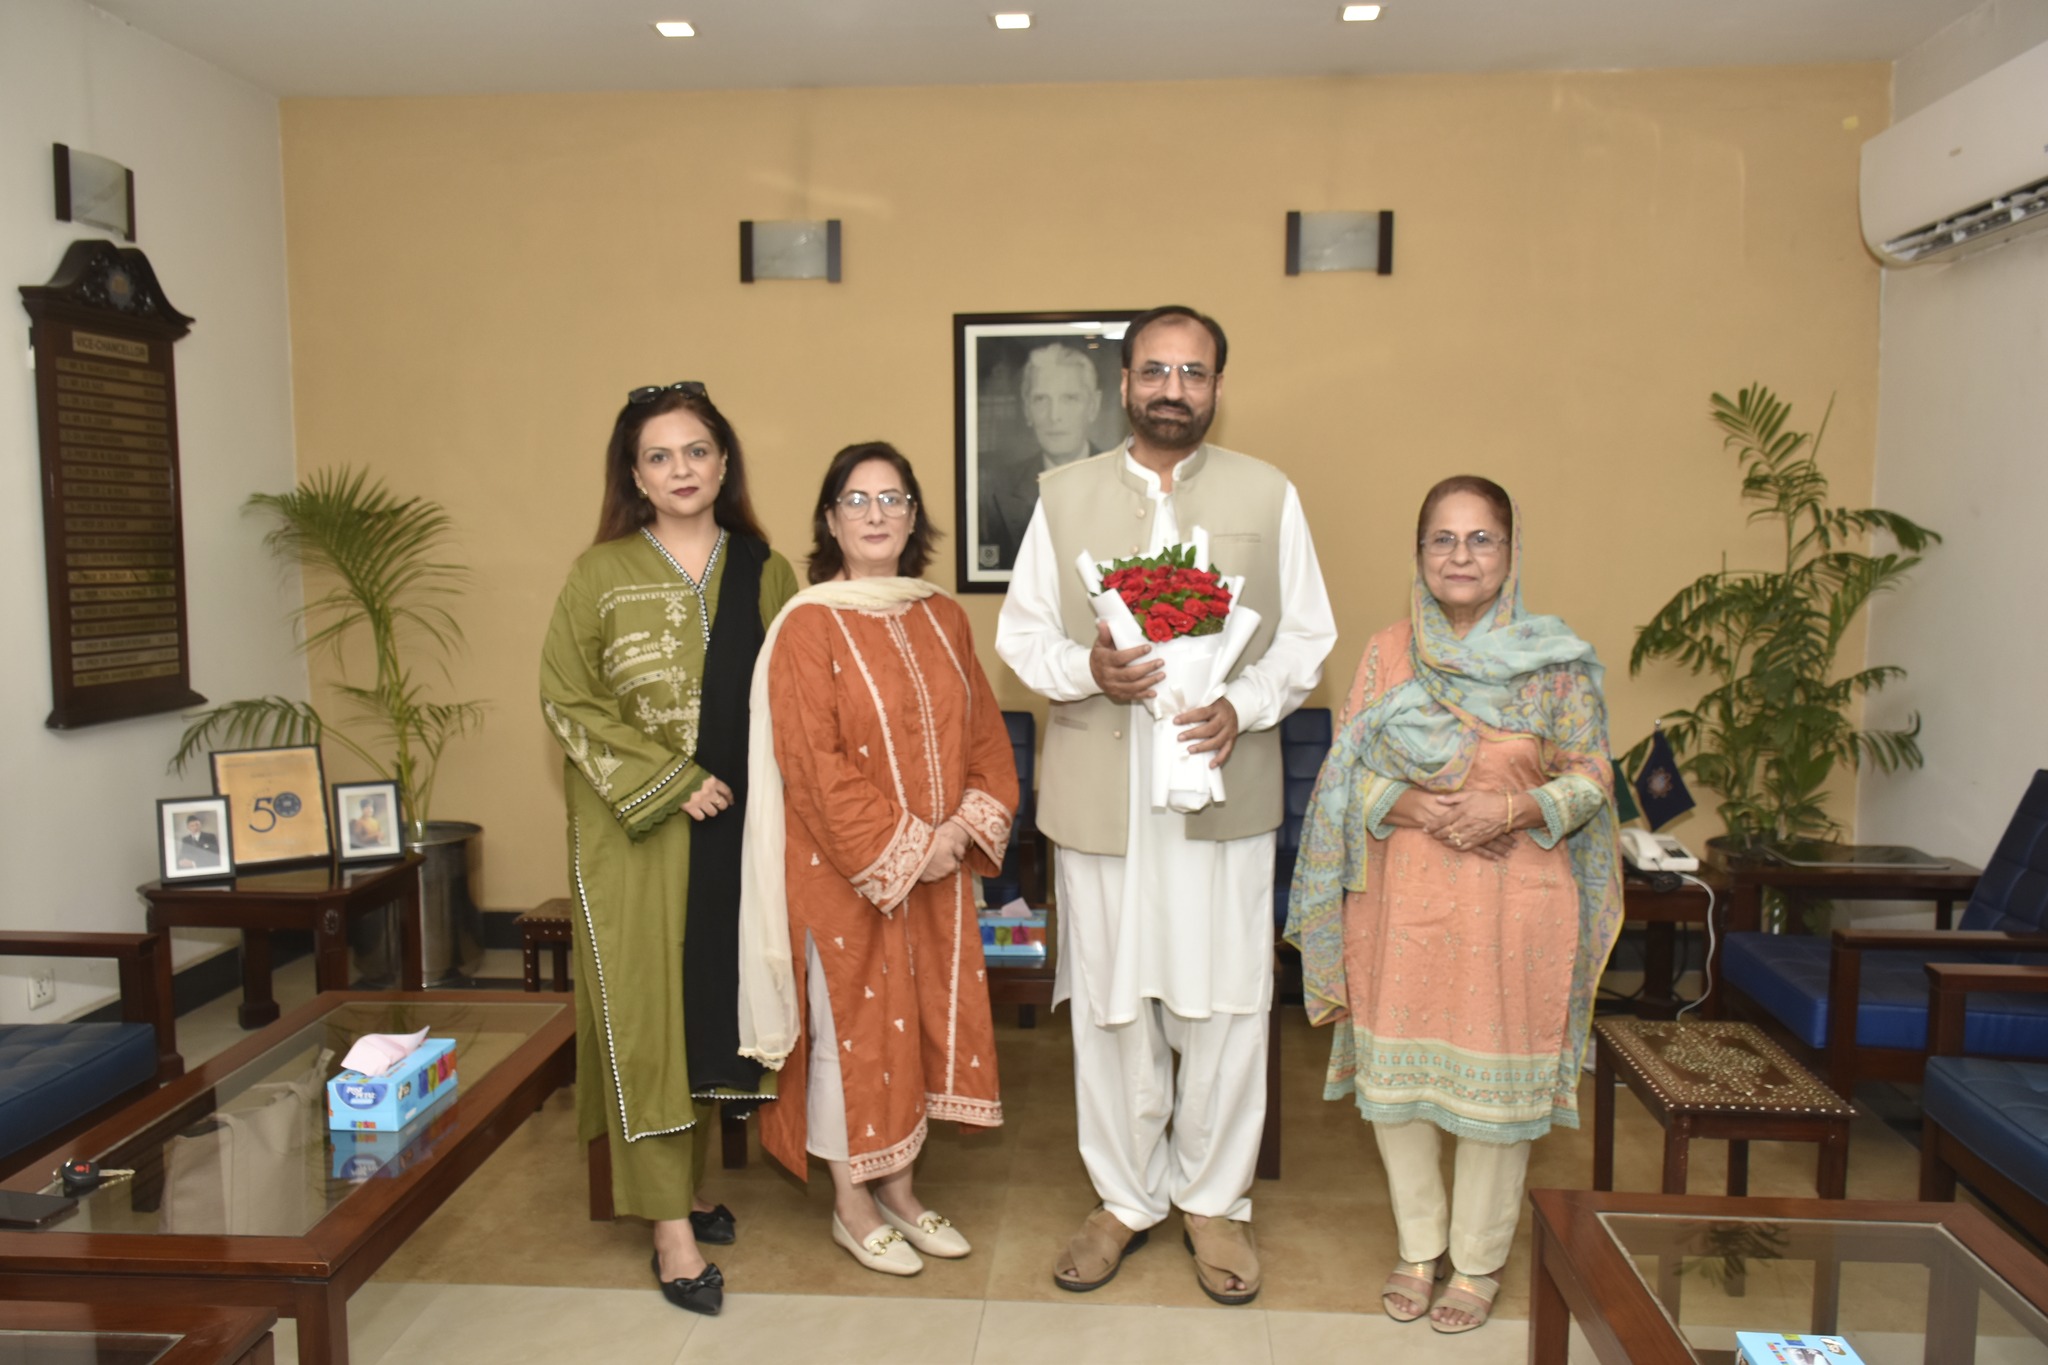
1190	617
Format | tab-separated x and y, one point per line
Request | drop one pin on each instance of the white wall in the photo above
79	806
1962	445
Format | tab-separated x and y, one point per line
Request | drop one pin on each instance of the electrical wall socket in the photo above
42	988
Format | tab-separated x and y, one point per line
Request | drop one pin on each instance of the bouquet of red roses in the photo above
1191	618
1169	596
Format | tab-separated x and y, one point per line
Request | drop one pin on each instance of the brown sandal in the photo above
1096	1252
1223	1250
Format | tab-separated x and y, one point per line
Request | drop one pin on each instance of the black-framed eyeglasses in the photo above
895	506
647	393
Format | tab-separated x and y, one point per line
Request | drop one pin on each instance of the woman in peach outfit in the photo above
1457	895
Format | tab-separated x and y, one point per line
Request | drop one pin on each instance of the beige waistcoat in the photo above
1100	506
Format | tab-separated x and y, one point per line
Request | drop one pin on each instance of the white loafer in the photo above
931	1234
884	1250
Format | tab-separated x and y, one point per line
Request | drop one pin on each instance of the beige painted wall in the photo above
1581	259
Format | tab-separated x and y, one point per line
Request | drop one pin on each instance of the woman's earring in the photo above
642	491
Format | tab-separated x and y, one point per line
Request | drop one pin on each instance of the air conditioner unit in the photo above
1966	172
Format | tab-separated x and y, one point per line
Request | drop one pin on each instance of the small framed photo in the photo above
1031	391
275	796
368	820
192	839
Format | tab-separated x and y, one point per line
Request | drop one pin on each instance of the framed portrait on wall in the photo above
367	821
192	839
278	800
1031	391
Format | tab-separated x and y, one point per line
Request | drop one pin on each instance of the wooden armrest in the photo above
1940	940
1950	985
56	943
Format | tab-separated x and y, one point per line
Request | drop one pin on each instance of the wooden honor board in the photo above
113	537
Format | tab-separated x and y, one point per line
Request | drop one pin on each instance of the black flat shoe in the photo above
718	1227
705	1294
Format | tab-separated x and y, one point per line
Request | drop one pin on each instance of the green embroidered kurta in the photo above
621	687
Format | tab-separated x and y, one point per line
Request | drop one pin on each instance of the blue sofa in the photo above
59	1079
1799	984
1984	1118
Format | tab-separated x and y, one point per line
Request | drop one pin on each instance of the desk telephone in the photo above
1647	852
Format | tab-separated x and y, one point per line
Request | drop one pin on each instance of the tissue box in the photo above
360	1153
384	1104
1013	938
1772	1348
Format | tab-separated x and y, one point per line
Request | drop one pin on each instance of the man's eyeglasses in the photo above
647	393
1482	544
1152	374
895	506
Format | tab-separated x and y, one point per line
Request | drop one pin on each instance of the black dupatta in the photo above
711	945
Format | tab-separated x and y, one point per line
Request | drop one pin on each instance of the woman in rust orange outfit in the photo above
863	979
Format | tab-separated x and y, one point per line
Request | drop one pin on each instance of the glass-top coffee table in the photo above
133	1334
243	1196
1655	1278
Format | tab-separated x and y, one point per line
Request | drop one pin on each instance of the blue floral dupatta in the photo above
1514	673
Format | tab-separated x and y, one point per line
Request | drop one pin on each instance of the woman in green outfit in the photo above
644	681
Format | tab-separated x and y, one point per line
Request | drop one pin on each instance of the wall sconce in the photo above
789	250
1340	241
92	189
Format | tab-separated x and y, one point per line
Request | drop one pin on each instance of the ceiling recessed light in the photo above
1012	20
1359	14
675	28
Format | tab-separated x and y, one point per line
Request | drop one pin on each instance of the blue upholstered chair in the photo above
1984	1118
59	1079
1800	985
1026	851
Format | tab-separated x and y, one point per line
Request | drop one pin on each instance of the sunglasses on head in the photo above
647	393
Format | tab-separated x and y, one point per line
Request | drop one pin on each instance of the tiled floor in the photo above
513	1270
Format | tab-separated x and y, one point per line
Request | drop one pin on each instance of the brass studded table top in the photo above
1712	1064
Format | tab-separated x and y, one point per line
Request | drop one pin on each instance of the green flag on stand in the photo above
1624	796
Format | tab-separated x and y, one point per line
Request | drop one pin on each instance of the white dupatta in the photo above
768	995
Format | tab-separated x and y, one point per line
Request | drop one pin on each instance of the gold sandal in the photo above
1469	1294
1414	1281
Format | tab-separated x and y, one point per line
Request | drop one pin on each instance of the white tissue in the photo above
374	1054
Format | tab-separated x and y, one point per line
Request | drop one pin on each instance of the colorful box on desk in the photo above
1773	1348
1013	936
384	1104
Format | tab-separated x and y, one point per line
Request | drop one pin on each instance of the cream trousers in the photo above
1477	1224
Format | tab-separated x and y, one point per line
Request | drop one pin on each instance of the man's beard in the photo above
1169	423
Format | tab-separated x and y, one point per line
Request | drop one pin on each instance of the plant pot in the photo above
451	928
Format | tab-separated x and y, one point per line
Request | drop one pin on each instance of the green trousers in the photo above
657	1177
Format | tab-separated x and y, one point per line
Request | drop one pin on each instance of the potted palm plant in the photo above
1768	734
378	563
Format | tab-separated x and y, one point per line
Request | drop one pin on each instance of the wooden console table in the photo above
318	900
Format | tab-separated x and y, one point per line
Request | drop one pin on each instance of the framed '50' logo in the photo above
279	801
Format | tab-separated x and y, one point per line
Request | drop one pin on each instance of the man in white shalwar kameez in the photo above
1166	919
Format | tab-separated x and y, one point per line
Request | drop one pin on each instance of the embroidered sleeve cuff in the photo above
1381	805
1566	803
889	878
986	823
660	798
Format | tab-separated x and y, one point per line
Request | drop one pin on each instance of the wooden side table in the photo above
1715	1079
1661	912
319	900
545	926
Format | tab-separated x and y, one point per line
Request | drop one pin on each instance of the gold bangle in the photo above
1511	814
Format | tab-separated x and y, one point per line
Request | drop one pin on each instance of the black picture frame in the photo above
387	813
998	449
182	854
279	799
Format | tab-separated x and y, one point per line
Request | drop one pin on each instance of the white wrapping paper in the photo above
1197	667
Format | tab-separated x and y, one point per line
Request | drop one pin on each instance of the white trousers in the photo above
825	1100
1153	1142
1477	1223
